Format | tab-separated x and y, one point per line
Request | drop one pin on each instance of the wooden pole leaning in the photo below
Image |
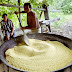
46	14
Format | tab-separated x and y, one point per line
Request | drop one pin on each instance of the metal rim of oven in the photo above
44	35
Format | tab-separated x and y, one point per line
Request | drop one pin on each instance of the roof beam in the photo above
8	5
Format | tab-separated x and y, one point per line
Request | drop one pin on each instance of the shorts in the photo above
29	31
8	34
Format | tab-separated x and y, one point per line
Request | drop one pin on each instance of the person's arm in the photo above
19	12
12	27
12	30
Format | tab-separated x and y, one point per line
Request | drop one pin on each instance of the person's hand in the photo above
22	28
11	34
16	12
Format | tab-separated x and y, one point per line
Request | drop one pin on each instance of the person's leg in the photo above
7	38
7	35
4	38
14	35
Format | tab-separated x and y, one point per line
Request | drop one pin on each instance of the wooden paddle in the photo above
25	38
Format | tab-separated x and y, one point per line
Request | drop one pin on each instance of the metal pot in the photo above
41	36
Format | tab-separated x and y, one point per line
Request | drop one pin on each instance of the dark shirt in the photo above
7	26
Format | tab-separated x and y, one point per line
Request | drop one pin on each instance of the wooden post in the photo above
19	11
40	14
46	14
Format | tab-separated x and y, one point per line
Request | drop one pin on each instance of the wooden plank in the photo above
46	22
56	10
8	5
39	9
11	5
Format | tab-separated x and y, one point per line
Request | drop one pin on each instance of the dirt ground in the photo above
64	30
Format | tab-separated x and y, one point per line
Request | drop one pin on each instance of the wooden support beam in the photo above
56	10
8	5
19	11
39	9
46	22
46	13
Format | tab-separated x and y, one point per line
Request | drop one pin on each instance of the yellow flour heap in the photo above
39	56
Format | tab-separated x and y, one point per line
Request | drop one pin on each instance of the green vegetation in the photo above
63	18
64	5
